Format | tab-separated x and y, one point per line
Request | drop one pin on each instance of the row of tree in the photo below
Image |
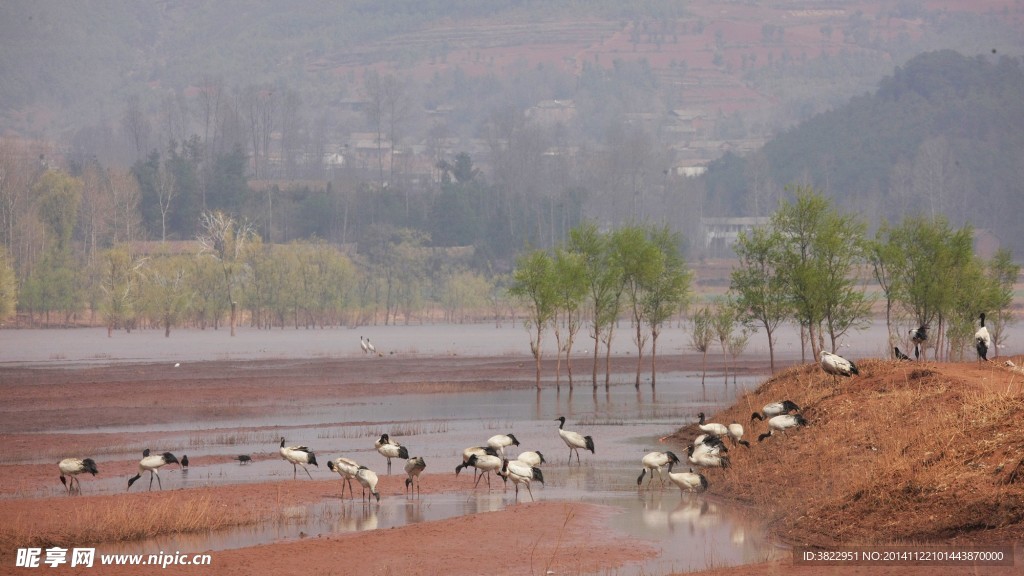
599	276
810	263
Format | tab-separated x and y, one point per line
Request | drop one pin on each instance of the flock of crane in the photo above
708	450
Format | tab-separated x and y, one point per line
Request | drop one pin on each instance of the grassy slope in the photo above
904	452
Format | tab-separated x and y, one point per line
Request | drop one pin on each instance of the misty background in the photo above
482	128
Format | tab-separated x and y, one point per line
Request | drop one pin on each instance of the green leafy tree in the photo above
121	277
55	283
533	283
759	284
641	262
601	274
167	292
667	292
822	253
570	291
701	337
1002	273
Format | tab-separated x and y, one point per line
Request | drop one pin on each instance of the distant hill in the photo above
943	135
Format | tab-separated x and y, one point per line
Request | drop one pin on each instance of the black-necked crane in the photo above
836	365
982	341
486	464
389	449
918	336
720	430
364	344
368	480
73	467
371	348
531	457
520	472
899	353
736	434
152	463
500	441
298	456
574	440
347	469
653	461
688	481
706	456
774	409
479	451
782	423
413	467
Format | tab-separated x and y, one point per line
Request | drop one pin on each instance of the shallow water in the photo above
692	531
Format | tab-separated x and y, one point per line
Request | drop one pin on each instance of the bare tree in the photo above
225	239
165	192
136	127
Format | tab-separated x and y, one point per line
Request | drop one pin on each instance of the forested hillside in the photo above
942	136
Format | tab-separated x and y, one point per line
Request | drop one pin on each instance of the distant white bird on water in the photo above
73	467
982	340
298	456
836	365
574	440
151	463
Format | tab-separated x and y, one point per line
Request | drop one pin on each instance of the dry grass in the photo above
904	452
119	519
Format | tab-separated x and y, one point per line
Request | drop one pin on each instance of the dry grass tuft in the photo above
111	519
902	452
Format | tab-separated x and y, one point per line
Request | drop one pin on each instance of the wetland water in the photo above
691	531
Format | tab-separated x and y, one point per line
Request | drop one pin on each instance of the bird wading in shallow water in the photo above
574	440
347	469
73	467
298	456
389	449
152	463
653	461
413	468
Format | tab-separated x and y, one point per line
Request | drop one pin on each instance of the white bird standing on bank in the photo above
715	428
364	344
73	467
783	423
774	409
298	456
687	481
982	340
918	336
389	449
368	480
500	441
736	434
413	467
653	461
347	469
836	365
370	348
151	463
521	473
574	440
